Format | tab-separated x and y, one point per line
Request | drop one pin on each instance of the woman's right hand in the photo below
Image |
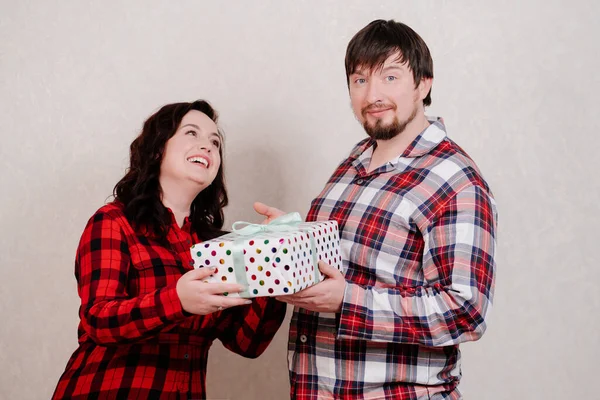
201	298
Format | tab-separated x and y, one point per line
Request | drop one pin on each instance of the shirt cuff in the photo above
172	310
352	313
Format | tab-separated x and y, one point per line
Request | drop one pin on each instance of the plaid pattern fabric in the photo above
135	340
418	241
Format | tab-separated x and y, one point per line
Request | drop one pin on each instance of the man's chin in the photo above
381	131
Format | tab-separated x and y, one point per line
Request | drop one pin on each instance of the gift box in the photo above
273	259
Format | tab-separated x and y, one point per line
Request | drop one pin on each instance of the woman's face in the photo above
192	154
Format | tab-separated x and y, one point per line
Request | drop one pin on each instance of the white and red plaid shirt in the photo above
418	240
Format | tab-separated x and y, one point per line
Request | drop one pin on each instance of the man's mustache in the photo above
376	106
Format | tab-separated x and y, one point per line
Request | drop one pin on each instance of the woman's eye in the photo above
193	133
216	143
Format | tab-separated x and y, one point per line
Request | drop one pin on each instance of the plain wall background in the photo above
516	82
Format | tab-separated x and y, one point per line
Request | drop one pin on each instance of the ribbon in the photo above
285	223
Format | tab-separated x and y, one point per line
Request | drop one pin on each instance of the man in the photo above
418	232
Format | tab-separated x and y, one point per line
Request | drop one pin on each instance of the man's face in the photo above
385	99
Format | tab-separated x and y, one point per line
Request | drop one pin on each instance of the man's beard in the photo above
386	132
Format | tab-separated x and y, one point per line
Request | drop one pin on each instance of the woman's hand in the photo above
201	298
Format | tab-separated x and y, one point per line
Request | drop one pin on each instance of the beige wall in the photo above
516	81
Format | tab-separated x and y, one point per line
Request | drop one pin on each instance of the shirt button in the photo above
186	356
188	242
360	181
192	263
303	338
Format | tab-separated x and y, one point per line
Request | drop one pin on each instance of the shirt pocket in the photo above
152	269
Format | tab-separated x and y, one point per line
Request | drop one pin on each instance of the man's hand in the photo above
269	212
325	296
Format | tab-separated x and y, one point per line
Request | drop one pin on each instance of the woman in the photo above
146	318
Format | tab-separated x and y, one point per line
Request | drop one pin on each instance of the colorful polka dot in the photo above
260	268
267	241
213	253
228	252
251	243
271	290
230	269
223	278
199	254
261	283
255	291
221	261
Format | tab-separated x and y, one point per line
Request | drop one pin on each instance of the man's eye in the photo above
390	78
360	81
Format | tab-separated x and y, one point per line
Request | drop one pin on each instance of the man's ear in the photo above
424	87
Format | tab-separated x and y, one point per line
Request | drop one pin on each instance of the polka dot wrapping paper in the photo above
271	263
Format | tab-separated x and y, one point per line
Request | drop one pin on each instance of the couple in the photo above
418	231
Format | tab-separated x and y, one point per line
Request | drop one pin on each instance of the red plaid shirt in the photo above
418	242
135	340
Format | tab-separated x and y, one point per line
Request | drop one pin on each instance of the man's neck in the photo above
387	150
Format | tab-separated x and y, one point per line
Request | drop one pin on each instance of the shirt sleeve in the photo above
108	314
459	267
248	330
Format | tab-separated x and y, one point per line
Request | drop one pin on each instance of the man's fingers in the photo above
291	298
328	270
267	211
284	299
261	208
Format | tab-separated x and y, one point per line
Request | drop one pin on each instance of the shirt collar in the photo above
423	144
427	140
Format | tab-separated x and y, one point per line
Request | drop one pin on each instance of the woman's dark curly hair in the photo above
140	192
